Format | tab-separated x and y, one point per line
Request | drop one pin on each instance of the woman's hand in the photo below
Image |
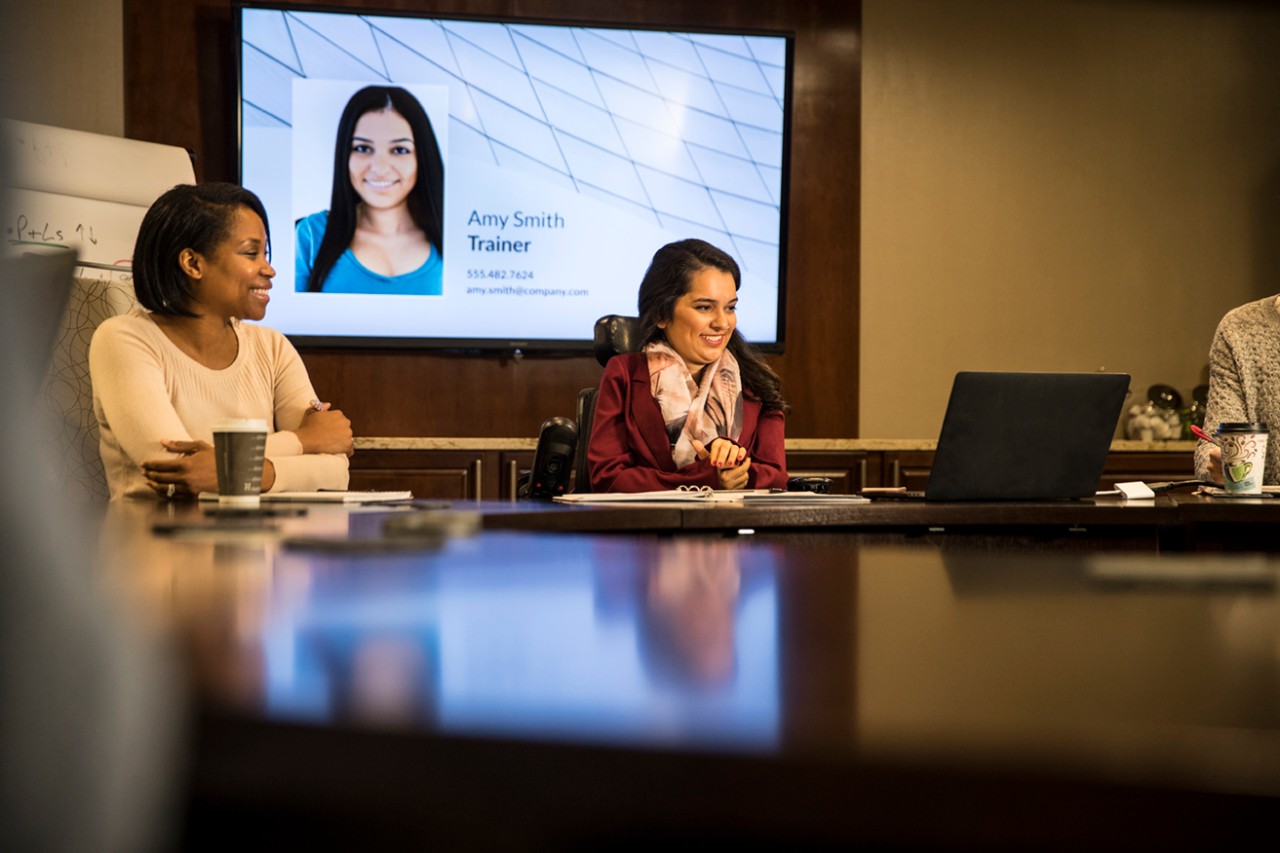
193	472
723	453
189	474
735	477
1215	464
729	459
326	431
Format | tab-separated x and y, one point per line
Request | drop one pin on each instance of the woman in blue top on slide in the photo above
383	228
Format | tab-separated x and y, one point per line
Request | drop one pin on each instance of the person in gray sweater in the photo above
1244	382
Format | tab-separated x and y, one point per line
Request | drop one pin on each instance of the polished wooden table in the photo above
1235	524
1101	523
522	690
1175	522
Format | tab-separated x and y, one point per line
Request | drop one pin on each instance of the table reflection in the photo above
687	620
661	642
1144	668
716	688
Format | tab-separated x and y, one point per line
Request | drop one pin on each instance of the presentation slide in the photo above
566	155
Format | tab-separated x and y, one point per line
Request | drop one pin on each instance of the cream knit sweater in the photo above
145	390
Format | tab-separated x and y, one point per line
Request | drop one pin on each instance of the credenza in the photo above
491	468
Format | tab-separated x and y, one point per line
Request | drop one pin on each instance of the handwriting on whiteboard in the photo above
26	232
42	149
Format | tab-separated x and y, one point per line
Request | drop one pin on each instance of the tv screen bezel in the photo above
507	345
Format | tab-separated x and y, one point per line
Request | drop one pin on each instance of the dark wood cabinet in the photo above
512	468
849	472
905	468
493	471
1147	467
442	474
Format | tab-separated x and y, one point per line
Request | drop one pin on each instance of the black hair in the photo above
426	199
189	216
668	278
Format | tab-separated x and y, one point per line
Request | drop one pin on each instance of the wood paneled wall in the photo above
180	89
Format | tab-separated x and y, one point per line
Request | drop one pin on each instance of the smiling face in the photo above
233	279
383	164
703	319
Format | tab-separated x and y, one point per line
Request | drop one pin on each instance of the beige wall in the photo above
1060	185
62	63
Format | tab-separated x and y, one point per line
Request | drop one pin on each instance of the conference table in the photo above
383	677
1171	522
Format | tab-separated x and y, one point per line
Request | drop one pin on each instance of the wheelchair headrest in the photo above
616	334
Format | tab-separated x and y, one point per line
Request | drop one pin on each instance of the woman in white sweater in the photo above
163	373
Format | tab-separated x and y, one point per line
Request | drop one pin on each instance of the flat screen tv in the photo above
566	156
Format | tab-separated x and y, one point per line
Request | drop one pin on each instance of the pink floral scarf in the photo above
692	410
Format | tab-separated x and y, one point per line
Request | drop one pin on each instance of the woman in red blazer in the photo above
697	405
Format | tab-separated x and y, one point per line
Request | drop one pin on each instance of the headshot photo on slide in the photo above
374	223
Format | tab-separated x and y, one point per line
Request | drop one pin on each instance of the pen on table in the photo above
1202	435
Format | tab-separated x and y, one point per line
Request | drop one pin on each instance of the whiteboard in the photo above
85	191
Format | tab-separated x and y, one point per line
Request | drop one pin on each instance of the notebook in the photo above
327	497
708	495
1025	436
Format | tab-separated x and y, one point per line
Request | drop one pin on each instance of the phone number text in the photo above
501	275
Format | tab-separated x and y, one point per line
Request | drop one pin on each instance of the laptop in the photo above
1025	436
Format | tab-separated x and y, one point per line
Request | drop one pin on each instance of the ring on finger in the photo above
171	491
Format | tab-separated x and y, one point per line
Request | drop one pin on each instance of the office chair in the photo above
68	391
614	334
561	440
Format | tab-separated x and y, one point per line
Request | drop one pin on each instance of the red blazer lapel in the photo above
646	418
750	419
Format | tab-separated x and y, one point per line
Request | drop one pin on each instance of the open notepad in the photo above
706	494
325	497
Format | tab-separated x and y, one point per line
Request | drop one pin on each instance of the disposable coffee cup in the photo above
1244	456
239	445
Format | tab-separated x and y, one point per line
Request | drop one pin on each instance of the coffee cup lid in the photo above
1241	426
240	425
